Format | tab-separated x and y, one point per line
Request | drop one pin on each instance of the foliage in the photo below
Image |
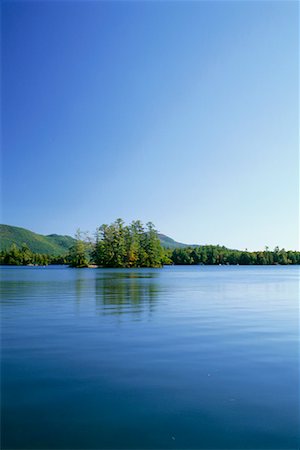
24	257
213	255
49	245
78	255
120	245
136	245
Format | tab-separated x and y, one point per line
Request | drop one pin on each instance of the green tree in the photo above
78	254
26	255
120	245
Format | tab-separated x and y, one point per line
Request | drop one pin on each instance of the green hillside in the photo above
52	244
168	242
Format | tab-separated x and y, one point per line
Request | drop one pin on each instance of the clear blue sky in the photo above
182	113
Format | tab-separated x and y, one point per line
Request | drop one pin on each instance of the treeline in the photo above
23	256
214	255
120	245
136	245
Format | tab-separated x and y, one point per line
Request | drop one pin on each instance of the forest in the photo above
136	245
119	245
23	256
214	255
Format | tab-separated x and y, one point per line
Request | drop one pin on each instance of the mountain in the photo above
53	244
168	242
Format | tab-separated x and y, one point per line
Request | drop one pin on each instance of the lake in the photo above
199	357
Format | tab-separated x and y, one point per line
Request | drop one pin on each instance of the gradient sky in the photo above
182	113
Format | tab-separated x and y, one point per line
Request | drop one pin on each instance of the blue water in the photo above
174	358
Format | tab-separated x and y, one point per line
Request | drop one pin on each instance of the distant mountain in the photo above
168	242
53	244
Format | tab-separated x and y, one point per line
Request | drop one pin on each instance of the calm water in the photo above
180	357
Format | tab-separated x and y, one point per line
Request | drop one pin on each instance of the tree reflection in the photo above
126	293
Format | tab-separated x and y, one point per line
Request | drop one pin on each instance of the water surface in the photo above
179	357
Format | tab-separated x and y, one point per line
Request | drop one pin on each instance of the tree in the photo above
120	245
26	255
78	254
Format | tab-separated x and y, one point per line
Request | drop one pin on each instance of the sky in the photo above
181	113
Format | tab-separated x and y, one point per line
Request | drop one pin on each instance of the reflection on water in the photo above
123	292
179	357
115	293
